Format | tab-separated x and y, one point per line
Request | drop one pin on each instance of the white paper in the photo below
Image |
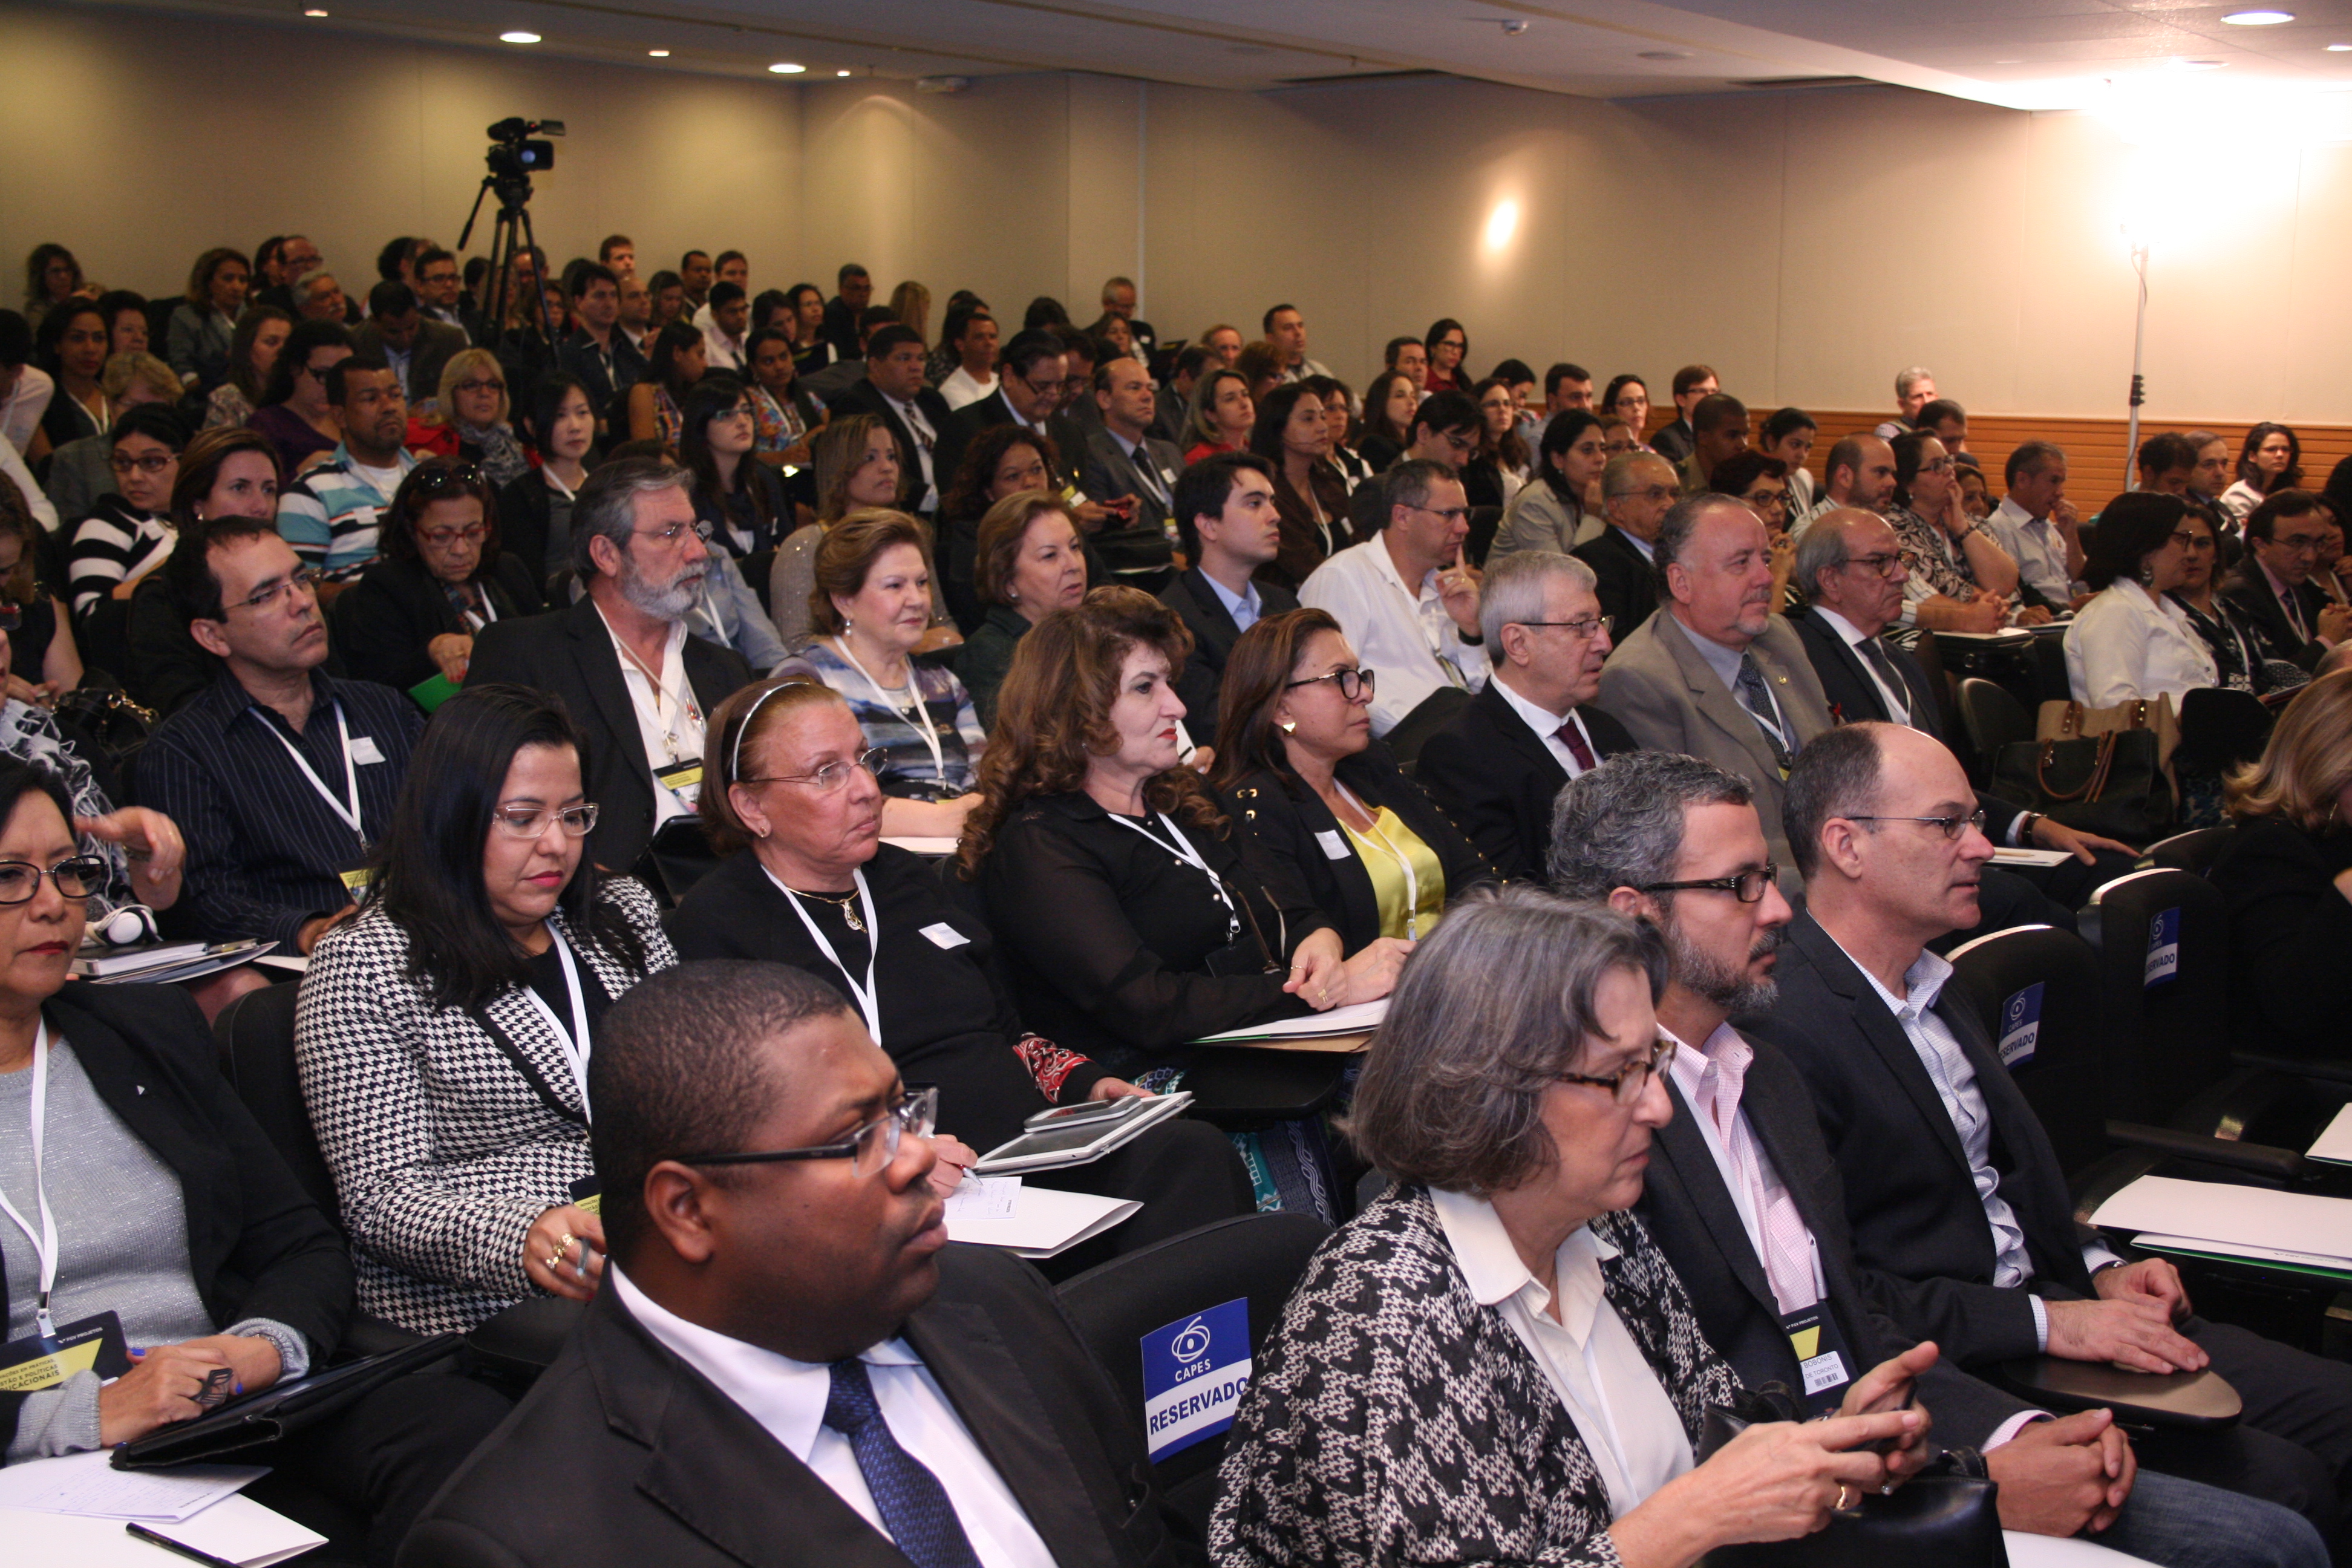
2247	1216
1047	1221
2334	1145
982	1198
1361	1019
2005	856
2058	1551
239	1529
364	751
2156	1241
946	936
88	1484
935	847
1334	847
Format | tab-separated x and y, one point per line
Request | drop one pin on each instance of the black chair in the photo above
2220	728
1256	1257
1991	717
2037	990
2193	851
2051	682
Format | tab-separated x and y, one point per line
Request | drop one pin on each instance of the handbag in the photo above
2113	783
1947	1515
2073	721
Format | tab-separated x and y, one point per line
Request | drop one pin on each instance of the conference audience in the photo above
1420	1401
1131	473
1959	576
1030	562
1387	427
128	532
72	347
2132	643
1339	421
1550	512
1788	434
1000	462
1032	372
1693	383
2037	528
2273	585
203	325
444	1037
534	511
1320	803
1223	415
52	277
443	576
783	413
1719	431
1763	483
1227	518
1294	441
1500	466
223	473
1627	398
1859	471
261	335
675	361
417	347
2236	643
1447	346
79	470
892	390
295	411
1637	491
470	418
36	630
854	461
2270	461
329	511
738	502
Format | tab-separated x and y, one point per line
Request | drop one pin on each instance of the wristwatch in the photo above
2023	834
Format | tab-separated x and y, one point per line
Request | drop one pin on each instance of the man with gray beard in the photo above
1744	1199
637	683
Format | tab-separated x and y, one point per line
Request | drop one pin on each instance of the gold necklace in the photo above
847	904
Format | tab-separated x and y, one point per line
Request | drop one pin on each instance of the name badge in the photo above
1335	844
944	936
587	1196
1822	1364
35	1362
363	750
682	779
355	880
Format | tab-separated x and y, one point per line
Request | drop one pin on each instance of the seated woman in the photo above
812	349
1447	346
443	1034
1339	421
469	421
2286	876
2130	641
172	1210
675	361
1032	562
1129	921
224	472
416	609
738	502
80	471
295	414
71	346
783	416
1222	417
1549	512
856	459
2270	461
1001	461
42	662
1390	404
1503	464
790	802
1320	805
535	510
129	532
253	350
1628	398
203	325
1309	497
2239	661
872	607
1419	1401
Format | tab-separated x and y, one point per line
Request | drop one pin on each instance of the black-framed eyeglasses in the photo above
1628	1082
1351	683
1746	886
153	463
1452	514
833	774
75	877
1883	563
1949	826
870	1146
1582	629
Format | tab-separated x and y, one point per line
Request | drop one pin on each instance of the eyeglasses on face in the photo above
520	821
76	876
1648	493
1949	826
1581	628
1452	514
870	1146
480	383
301	581
1777	499
1746	886
1352	683
442	538
833	774
1883	563
153	463
1628	1082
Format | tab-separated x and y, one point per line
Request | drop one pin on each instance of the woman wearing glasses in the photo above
792	800
1419	1400
441	579
1961	577
738	502
443	1036
470	419
1318	802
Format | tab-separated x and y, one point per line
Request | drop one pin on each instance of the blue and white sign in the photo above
1195	1371
2021	1026
2163	948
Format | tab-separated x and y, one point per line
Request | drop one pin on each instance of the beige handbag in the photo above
2072	721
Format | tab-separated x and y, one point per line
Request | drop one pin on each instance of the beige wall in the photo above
1808	245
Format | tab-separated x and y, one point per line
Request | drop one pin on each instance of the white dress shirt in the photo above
669	717
1402	632
1610	1390
21	410
2037	547
961	388
788	1398
720	351
1898	701
1547	728
2125	645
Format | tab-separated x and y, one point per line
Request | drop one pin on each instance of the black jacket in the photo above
1497	779
1069	438
1213	635
1283	828
526	515
1628	586
257	1247
864	397
382	624
2290	930
608	390
1137	549
2248	588
569	654
660	1466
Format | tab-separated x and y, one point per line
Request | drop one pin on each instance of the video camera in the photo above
514	155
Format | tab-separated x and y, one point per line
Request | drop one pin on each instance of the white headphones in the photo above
130	924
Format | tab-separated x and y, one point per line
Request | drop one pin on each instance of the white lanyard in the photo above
351	813
556	484
1404	861
660	689
43	1240
574	1040
1182	849
869	1001
922	714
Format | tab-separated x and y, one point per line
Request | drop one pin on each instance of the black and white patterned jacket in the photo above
1391	1419
442	1151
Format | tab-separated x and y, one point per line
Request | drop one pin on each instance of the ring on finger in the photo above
1839	1506
562	1245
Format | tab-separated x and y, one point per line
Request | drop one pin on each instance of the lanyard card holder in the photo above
1823	1359
44	1361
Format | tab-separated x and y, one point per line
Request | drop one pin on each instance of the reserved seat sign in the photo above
1195	1371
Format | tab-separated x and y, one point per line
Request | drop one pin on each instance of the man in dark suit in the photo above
639	685
1030	373
1637	491
406	339
1132	472
1230	526
1961	1224
893	390
2273	586
598	353
854	290
1674	439
786	1361
1495	766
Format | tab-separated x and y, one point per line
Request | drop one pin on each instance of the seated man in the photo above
787	1362
1746	1202
1636	490
1123	462
330	514
1446	429
2037	527
2273	586
1719	432
638	684
1958	1211
1226	516
1495	766
280	777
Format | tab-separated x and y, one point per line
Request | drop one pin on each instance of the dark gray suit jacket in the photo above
437	343
1141	548
1628	585
1497	779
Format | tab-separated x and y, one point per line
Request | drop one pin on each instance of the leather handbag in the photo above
2073	721
2113	783
1947	1515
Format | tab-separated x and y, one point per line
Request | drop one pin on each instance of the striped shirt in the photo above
330	514
113	545
886	714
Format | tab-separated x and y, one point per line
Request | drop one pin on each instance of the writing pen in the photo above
140	1532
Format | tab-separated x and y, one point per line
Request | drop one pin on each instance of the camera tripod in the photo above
511	233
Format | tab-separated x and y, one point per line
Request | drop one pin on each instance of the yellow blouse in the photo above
1407	877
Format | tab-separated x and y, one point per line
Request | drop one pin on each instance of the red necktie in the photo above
1571	735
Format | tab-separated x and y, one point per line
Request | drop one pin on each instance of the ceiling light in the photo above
1665	53
2339	48
2258	19
517	37
659	54
314	11
787	68
841	73
2199	65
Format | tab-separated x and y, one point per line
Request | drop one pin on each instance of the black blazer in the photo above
257	1247
1692	1217
1628	589
1920	1240
864	397
1497	780
526	515
1213	635
1279	822
569	654
660	1465
381	623
1674	440
2248	588
1846	680
607	390
2290	989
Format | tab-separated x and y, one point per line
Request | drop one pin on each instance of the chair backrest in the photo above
255	1036
2036	988
1991	718
2051	682
1256	1258
2193	851
2163	940
2220	728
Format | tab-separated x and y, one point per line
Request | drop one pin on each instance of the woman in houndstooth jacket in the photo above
443	1034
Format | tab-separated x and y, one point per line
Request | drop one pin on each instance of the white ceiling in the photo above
2028	54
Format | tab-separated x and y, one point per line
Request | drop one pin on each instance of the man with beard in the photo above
330	514
1744	1200
637	683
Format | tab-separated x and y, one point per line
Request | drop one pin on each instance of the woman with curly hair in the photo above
198	337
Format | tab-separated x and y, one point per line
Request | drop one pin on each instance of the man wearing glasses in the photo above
1637	489
1956	1203
787	1362
330	515
1030	373
2273	586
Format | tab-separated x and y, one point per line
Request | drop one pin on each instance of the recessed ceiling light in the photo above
2199	65
314	11
659	54
2258	19
2339	48
787	68
841	73
517	37
1665	53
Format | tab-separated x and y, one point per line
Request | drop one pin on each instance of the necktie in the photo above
914	1506
1874	651
2293	607
1571	735
1757	699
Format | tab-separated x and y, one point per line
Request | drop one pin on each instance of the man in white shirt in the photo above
785	1360
1286	329
1407	601
731	319
974	377
2039	527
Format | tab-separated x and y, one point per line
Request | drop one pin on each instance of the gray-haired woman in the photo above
1492	1363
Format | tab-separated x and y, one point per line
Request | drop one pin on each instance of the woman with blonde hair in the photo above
911	302
470	419
1221	416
